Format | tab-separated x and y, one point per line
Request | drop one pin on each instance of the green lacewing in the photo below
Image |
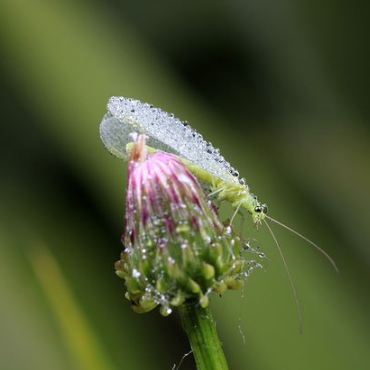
167	133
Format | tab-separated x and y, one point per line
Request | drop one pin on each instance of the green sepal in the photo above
144	306
220	287
178	300
204	301
121	274
193	286
234	284
208	271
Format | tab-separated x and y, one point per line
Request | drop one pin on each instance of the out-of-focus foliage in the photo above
281	86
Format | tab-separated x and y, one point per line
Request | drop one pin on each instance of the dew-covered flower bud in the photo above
175	247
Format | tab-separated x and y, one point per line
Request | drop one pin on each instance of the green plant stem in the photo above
201	330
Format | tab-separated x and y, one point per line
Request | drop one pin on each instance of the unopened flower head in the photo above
176	249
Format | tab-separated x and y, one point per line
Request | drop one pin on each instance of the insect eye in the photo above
264	209
258	209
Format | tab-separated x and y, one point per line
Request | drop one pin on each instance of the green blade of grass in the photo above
78	336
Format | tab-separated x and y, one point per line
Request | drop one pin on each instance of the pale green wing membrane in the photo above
116	134
164	132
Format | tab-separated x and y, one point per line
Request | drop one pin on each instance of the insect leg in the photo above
236	211
219	190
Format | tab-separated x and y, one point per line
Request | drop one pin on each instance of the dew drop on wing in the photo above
165	132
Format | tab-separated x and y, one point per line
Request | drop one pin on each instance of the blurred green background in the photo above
280	86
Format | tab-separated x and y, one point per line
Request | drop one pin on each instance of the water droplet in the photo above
242	181
135	273
168	310
207	239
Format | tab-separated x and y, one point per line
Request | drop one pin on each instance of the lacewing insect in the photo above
167	133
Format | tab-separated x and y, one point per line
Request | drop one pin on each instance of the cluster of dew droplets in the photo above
166	132
151	292
247	250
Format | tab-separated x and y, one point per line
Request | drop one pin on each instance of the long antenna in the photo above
307	240
294	290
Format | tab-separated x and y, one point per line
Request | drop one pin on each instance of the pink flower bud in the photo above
176	249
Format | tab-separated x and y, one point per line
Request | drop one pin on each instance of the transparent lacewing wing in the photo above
165	132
